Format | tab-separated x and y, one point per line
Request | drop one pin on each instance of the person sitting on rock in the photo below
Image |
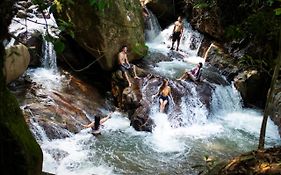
95	125
194	74
164	93
124	64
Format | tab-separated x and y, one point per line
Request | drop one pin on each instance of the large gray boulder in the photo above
16	62
102	32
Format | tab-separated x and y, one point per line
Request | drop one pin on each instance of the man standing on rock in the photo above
124	64
177	33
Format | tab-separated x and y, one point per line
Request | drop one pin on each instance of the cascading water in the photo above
224	130
49	59
152	27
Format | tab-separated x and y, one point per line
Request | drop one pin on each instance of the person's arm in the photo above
126	60
119	59
105	118
89	125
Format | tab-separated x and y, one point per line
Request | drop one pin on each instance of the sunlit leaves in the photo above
277	11
58	6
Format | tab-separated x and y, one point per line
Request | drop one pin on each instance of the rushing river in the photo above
224	131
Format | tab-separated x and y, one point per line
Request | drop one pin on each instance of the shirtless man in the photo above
177	33
164	93
124	64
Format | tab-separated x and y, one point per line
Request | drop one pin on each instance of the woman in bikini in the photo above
95	125
164	93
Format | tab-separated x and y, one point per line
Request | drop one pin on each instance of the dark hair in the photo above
200	64
122	47
97	122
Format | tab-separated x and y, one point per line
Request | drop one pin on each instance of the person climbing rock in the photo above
124	64
194	74
177	33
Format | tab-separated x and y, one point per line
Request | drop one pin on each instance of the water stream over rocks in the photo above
56	103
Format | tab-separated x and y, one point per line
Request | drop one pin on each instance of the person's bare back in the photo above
166	91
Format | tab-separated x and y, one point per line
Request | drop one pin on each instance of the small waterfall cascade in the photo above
49	59
184	135
152	27
189	43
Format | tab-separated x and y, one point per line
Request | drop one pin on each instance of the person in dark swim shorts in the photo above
177	33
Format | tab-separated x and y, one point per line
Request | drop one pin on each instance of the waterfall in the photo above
152	27
189	43
49	59
180	139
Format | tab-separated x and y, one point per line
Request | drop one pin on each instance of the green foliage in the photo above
201	5
277	11
234	32
66	26
260	63
140	49
42	4
100	4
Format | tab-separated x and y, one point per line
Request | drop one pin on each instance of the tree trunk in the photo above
270	97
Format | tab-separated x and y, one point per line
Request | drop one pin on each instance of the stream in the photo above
226	130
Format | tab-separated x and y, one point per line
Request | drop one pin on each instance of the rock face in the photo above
246	79
275	106
247	82
20	153
102	32
16	62
60	113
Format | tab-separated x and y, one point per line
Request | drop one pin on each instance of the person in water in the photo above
164	93
177	33
194	74
95	125
124	64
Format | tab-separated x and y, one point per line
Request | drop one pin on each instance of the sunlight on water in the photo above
47	78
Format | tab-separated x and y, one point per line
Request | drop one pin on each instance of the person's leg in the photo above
161	104
135	73
184	76
127	78
178	43
164	105
173	41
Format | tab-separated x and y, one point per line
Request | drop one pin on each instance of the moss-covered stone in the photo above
102	32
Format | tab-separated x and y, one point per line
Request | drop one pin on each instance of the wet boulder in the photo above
139	101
